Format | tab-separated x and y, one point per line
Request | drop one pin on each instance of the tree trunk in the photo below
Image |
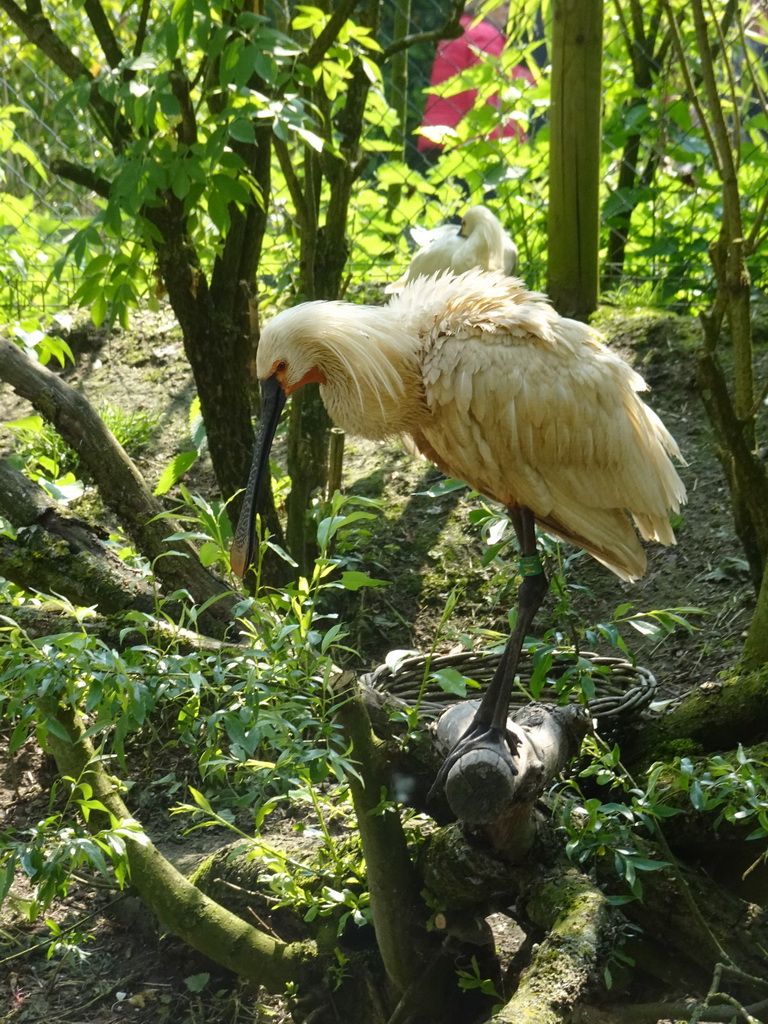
755	653
575	141
215	329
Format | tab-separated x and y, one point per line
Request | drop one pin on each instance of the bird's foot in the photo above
484	758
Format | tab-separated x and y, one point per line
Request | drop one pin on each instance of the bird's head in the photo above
476	217
286	360
288	350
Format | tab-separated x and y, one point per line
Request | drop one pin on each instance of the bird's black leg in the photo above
489	726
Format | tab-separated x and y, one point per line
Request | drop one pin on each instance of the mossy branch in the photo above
182	908
119	482
577	917
716	716
398	911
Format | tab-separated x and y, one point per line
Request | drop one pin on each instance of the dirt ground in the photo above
127	970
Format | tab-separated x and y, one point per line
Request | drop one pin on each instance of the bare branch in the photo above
450	29
756	236
104	33
735	131
40	33
141	32
292	181
81	176
693	92
318	49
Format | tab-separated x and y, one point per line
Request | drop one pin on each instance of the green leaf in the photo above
209	553
442	487
355	580
173	472
242	130
54	726
451	681
197	982
200	800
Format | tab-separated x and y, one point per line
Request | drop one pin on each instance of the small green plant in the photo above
616	831
733	790
134	429
257	719
473	979
54	848
46	457
183	461
67	943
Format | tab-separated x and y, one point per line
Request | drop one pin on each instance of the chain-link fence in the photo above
454	121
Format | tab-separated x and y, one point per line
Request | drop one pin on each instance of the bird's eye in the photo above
281	366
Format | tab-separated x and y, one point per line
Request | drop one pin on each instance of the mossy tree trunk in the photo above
730	403
574	157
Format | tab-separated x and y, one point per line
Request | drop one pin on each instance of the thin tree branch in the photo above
693	94
104	33
755	238
328	35
141	32
39	32
450	29
734	134
292	181
82	176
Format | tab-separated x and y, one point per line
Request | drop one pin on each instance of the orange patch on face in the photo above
313	376
280	371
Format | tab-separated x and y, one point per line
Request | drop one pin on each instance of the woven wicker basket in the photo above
622	690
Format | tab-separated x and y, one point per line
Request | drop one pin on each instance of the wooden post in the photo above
335	461
574	156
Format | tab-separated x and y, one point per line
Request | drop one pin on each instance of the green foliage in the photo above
473	979
729	789
617	831
46	458
257	720
52	850
246	71
732	790
180	463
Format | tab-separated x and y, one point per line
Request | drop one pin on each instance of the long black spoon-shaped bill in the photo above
272	402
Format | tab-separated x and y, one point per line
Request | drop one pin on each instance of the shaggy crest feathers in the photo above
353	344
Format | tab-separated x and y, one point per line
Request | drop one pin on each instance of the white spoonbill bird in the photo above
479	241
497	389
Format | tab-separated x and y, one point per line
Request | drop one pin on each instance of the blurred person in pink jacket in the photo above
456	55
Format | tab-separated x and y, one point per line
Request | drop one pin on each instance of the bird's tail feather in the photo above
607	535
